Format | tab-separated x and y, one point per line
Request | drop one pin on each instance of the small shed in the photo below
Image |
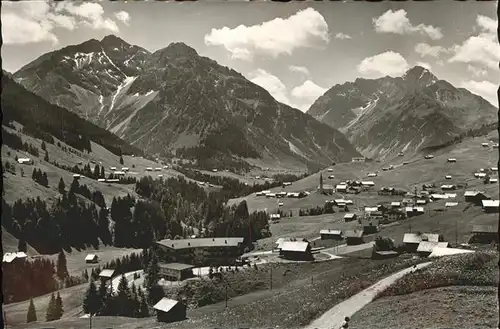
412	240
484	234
350	217
475	197
106	274
296	250
448	187
169	310
354	237
447	177
395	204
414	211
175	271
425	247
330	234
341	188
485	144
91	258
26	161
451	204
327	188
370	227
452	160
12	257
368	184
490	206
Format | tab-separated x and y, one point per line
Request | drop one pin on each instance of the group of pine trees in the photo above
15	142
55	308
40	177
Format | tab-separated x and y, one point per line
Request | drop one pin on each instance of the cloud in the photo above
424	49
308	91
485	89
482	49
35	21
397	22
123	17
271	83
424	65
476	71
342	36
388	63
272	38
299	69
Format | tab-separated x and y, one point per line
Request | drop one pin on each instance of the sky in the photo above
295	50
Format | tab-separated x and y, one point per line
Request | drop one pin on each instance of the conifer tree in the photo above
62	270
58	307
91	300
50	316
46	157
143	308
31	316
45	180
44	147
62	186
21	245
123	298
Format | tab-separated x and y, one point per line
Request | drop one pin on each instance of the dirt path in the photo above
334	318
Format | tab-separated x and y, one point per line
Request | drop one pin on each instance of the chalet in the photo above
274	216
175	271
495	146
490	206
440	252
475	197
285	184
149	169
91	259
327	189
77	176
202	251
484	234
493	180
281	194
372	174
331	177
101	179
421	202
358	159
425	248
494	169
374	215
429	156
280	242
449	187
119	173
270	195
125	169
427	186
395	204
405	162
329	234
26	161
158	169
480	175
341	188
106	275
368	184
452	160
450	195
485	144
412	240
262	193
296	250
112	180
169	310
160	175
393	215
354	237
353	190
112	168
370	227
451	204
384	254
330	169
348	202
386	191
435	197
447	177
414	211
214	170
14	257
350	217
400	154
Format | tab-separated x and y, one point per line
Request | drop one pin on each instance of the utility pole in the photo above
5	319
456	232
226	294
271	277
90	320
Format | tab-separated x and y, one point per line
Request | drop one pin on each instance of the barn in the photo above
175	271
349	217
412	240
169	310
296	250
330	234
91	259
475	197
490	206
354	237
484	234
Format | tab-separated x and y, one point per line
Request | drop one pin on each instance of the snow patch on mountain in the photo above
121	90
136	103
295	149
360	111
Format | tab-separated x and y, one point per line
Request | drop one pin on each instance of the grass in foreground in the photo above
477	269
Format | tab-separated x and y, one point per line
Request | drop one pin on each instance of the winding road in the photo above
334	318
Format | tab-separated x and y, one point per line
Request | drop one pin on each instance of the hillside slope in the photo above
175	101
403	114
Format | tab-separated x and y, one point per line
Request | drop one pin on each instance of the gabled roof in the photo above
349	215
300	246
396	203
413	209
165	304
341	187
200	243
472	193
176	266
367	183
353	234
327	187
9	257
490	203
371	209
451	204
107	273
439	252
90	256
415	238
428	246
330	232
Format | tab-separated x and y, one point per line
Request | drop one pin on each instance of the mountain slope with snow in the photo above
174	101
403	114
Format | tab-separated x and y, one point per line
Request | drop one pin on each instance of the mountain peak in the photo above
179	49
420	76
112	40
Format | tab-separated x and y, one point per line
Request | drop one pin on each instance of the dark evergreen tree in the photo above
62	269
58	307
143	308
50	316
45	180
46	157
121	160
44	147
31	316
123	298
91	301
61	187
21	245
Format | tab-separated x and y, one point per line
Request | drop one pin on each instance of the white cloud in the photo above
485	89
482	49
397	22
308	91
299	69
123	17
424	65
272	38
388	63
342	36
477	71
271	83
35	21
424	49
